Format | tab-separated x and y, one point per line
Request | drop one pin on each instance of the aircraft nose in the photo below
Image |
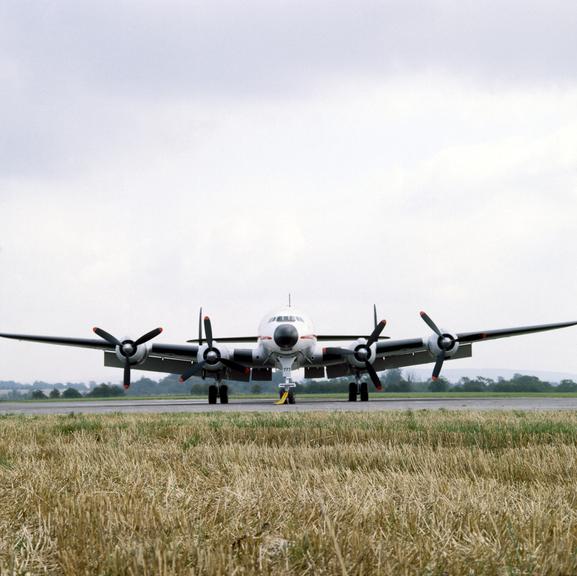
286	336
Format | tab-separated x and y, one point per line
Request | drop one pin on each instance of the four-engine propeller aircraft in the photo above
287	341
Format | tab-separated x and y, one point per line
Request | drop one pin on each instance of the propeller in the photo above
127	348
362	353
445	343
211	356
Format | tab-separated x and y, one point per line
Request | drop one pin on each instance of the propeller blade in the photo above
106	336
200	327
235	366
375	315
374	376
376	332
126	380
430	323
438	366
338	351
194	369
148	336
208	330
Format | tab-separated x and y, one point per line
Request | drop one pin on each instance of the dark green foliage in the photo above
38	395
71	393
521	383
440	385
105	391
567	386
54	393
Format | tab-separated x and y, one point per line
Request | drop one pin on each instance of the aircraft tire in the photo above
224	394
352	391
364	392
212	394
291	397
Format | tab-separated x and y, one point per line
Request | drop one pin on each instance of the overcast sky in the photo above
156	156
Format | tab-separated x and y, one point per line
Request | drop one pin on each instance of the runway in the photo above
303	405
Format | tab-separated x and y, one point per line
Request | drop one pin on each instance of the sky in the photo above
158	156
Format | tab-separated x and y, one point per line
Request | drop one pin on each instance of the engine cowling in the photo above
445	344
362	353
211	356
134	353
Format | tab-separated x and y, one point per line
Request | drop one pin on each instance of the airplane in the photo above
286	341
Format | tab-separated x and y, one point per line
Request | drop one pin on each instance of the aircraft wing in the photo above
180	351
412	345
414	351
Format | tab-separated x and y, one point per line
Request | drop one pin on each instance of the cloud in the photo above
159	156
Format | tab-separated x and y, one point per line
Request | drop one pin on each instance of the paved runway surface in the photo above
303	405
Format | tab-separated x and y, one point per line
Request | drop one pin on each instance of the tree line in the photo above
393	381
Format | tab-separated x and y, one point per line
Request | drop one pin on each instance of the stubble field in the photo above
317	493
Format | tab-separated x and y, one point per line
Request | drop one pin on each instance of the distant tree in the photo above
439	385
392	378
54	393
105	391
38	395
522	383
256	388
199	388
71	393
469	385
566	386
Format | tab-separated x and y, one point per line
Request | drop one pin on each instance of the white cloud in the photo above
128	201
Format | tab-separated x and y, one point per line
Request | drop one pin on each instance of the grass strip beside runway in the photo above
289	493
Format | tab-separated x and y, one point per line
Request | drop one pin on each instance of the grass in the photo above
289	493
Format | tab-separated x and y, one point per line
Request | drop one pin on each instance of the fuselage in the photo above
287	332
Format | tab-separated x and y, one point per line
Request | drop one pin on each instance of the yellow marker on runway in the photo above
283	398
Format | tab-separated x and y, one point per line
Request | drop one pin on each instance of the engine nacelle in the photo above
446	344
211	356
362	353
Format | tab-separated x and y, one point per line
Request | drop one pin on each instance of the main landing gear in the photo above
216	391
358	388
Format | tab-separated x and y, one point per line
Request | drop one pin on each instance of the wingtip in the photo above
422	313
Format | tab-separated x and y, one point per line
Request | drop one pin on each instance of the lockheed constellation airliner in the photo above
286	341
